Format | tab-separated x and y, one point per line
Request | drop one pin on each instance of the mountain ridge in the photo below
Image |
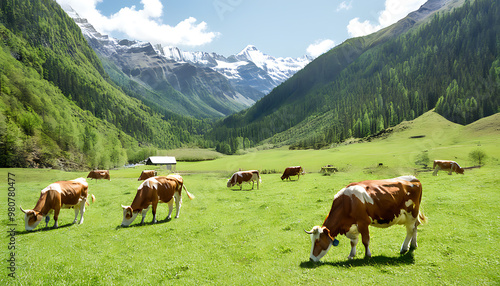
206	84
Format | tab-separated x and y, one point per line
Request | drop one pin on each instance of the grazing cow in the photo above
99	174
381	203
58	195
147	174
240	177
153	190
292	171
450	166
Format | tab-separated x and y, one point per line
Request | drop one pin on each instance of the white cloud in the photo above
344	6
394	11
144	24
320	47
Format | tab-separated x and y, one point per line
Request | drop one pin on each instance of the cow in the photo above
292	171
99	174
241	177
163	189
450	166
147	174
379	203
58	195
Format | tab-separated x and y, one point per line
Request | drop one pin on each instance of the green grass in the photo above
254	237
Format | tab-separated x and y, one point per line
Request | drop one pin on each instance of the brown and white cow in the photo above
57	196
99	174
380	203
450	166
241	177
163	189
147	174
292	171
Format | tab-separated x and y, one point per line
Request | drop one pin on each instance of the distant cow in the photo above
380	203
58	195
99	174
292	171
450	166
241	177
147	174
163	189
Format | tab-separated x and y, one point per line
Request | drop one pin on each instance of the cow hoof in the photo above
350	257
176	216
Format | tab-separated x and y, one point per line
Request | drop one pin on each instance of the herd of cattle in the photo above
379	203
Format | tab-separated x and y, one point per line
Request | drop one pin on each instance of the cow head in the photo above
283	177
230	182
128	215
321	242
460	170
31	219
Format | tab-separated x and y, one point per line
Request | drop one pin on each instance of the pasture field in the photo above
254	237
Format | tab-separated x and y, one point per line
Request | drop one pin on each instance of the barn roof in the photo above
161	160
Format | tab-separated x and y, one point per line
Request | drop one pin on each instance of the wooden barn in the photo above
167	161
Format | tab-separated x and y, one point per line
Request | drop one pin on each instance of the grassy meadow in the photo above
254	237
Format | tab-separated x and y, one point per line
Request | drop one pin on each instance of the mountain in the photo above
250	67
198	84
178	87
445	55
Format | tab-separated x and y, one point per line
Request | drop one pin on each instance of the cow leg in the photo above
365	238
143	213
353	236
411	236
77	210
435	171
154	212
178	203
56	216
82	210
170	209
413	243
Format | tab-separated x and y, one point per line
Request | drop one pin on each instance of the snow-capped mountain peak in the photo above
251	65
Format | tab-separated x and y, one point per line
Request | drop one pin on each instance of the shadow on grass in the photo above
407	258
242	190
144	224
43	229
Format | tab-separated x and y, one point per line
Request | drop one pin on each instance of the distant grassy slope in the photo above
443	140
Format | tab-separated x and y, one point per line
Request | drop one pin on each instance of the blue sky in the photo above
280	28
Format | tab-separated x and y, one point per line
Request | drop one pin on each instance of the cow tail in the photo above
93	200
434	165
422	218
190	196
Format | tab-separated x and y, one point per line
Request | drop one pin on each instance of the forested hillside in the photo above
368	84
58	106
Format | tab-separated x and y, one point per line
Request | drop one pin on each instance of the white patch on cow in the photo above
407	178
82	181
408	203
357	191
151	183
55	187
402	218
353	232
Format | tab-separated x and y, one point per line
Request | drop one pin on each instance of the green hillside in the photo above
450	62
60	107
